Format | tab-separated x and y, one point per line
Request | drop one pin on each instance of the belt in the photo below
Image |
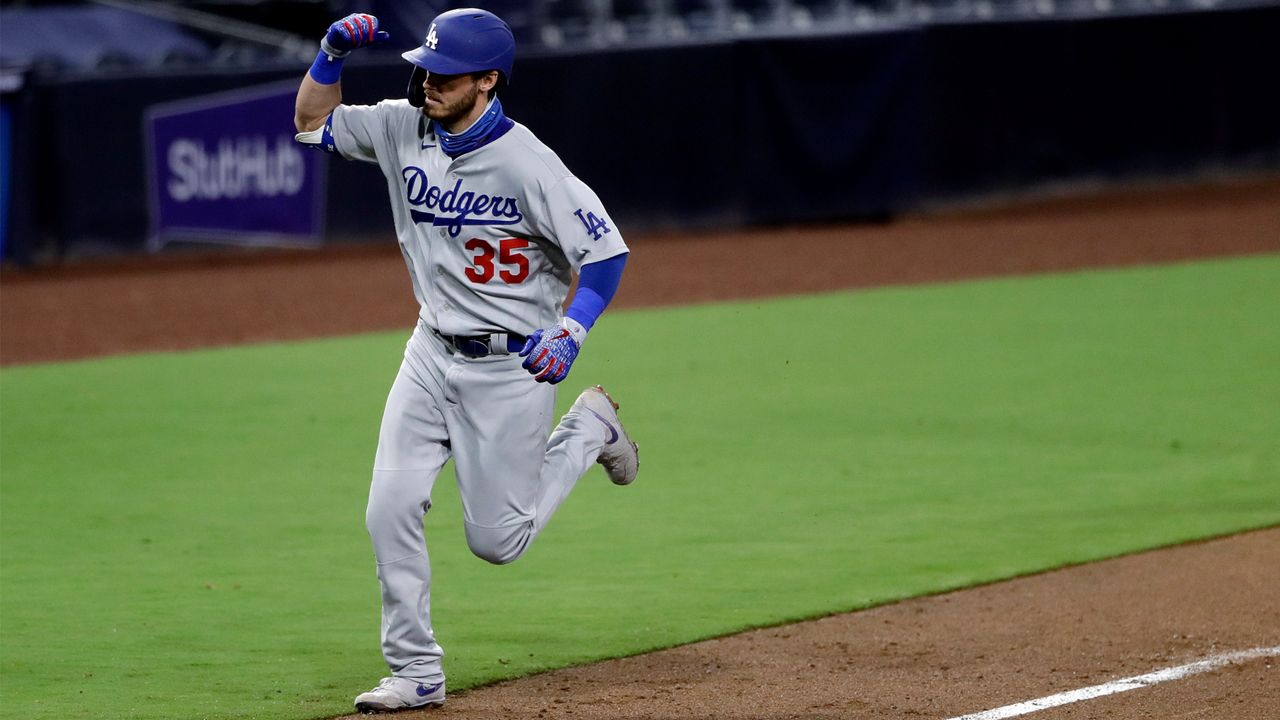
478	346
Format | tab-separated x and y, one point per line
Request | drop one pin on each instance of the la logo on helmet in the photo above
432	38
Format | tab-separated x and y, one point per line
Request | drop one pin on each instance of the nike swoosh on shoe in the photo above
613	432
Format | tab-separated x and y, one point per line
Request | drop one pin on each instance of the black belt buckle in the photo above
478	346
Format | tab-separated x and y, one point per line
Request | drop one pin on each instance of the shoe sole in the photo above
371	709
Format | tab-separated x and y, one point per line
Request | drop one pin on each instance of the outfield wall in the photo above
758	131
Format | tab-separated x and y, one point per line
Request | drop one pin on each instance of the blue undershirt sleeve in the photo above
597	283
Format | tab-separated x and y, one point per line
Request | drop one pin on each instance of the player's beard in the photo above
448	114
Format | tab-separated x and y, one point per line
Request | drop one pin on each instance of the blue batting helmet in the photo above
464	41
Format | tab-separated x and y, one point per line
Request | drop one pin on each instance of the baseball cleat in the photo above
396	693
620	457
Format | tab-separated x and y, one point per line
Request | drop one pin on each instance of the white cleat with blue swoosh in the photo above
396	693
620	457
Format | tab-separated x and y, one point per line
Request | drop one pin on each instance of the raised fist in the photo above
353	31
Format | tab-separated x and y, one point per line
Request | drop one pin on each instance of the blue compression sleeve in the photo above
597	282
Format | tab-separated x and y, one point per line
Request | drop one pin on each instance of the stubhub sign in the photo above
225	168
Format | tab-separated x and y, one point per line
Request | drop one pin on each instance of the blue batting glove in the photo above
548	354
353	31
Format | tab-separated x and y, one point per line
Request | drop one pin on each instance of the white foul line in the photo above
1123	685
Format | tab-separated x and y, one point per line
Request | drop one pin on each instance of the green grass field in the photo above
182	534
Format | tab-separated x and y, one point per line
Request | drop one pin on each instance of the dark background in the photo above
759	129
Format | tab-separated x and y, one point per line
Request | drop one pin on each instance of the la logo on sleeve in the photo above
595	225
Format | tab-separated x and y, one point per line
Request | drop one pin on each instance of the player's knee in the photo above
379	515
498	545
389	513
377	519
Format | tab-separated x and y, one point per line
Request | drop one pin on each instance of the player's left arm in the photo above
578	223
550	352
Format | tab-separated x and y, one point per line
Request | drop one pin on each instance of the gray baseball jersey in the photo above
490	237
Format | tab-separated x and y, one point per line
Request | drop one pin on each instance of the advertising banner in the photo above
225	168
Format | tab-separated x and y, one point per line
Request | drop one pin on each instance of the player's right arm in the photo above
315	102
321	89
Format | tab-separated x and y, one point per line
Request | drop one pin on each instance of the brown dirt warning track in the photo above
936	657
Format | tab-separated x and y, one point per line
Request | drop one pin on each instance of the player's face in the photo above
455	100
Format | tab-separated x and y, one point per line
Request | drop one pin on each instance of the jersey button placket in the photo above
441	281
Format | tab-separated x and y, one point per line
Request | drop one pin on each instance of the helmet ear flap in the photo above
417	96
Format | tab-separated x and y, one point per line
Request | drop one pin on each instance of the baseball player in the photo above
491	225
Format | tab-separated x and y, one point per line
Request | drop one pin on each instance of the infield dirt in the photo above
934	657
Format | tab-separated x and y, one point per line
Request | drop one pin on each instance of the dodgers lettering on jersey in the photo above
491	238
455	207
